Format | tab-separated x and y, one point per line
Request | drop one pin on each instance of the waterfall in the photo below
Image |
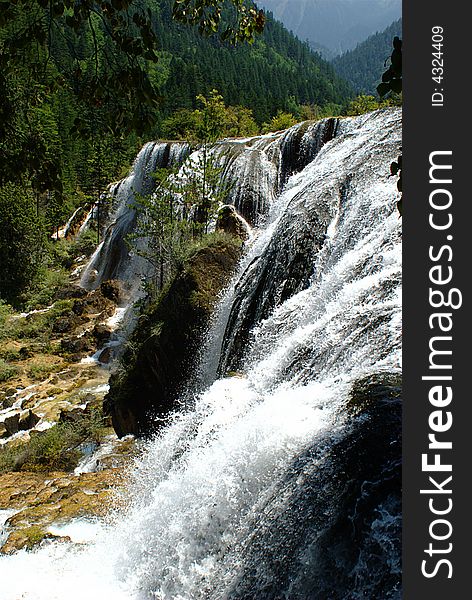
113	259
63	232
281	481
254	171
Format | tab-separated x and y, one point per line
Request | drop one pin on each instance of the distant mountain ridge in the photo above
363	66
338	25
272	74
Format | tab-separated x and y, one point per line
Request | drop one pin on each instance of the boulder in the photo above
76	345
65	324
27	420
112	290
230	222
11	423
25	352
101	334
375	388
105	355
40	500
79	307
28	538
71	415
3	431
70	292
97	302
6	401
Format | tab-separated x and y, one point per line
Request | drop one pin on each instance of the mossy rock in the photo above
43	500
368	391
27	538
164	348
230	222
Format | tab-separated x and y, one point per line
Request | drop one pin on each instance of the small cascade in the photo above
249	173
85	225
281	480
300	145
253	173
64	231
113	258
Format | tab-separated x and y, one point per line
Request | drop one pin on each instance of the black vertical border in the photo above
428	128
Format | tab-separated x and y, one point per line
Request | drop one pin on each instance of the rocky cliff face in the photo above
165	346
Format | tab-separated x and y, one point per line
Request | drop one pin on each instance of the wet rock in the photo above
79	307
70	292
43	499
96	302
230	222
11	423
28	538
65	375
101	334
27	420
167	341
90	400
105	355
372	389
3	431
6	401
25	352
65	324
71	415
112	290
76	345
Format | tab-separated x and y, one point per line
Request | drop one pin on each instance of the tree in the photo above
97	50
200	182
184	203
21	242
240	122
161	232
364	103
281	121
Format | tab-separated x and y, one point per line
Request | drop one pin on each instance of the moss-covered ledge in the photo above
163	350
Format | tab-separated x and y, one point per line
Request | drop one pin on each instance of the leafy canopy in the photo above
98	52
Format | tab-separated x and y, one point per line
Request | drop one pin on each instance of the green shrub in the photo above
46	288
40	370
9	355
57	448
7	371
85	243
282	120
6	312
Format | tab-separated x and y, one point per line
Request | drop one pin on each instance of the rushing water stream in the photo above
268	487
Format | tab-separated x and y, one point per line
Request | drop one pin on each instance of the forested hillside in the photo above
80	91
274	73
363	66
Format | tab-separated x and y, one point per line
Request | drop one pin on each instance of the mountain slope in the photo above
264	76
336	24
363	66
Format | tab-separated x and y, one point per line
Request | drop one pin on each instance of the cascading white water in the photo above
235	497
112	259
